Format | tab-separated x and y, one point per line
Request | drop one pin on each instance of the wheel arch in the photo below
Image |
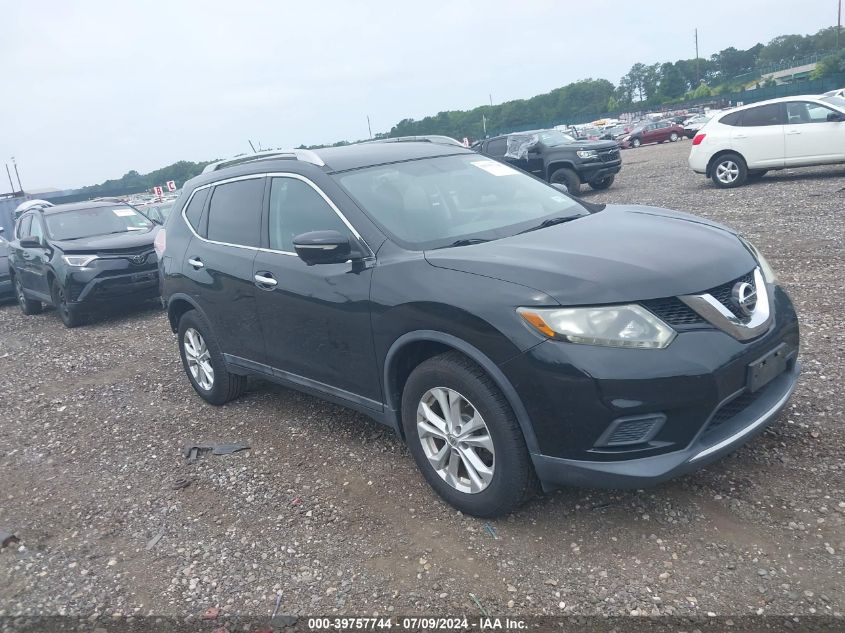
179	304
709	171
559	164
413	348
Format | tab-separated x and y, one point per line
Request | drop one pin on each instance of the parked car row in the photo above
512	335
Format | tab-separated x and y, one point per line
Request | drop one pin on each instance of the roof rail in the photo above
305	155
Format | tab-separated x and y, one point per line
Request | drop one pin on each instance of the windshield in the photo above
73	225
837	101
553	138
434	202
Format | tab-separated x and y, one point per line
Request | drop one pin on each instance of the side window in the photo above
234	214
296	208
194	210
732	118
36	230
497	147
805	112
762	116
24	225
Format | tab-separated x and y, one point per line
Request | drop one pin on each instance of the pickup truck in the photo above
557	157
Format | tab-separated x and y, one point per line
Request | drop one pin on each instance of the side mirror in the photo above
560	187
323	247
30	242
835	117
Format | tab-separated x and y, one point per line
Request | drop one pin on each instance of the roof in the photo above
368	154
816	98
78	206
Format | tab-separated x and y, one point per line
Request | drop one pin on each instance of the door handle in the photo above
265	279
196	262
740	136
794	132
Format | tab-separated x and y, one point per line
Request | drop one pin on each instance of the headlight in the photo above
609	326
768	273
586	153
78	260
627	137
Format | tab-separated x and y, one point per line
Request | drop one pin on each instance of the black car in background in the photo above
557	157
78	257
507	332
6	287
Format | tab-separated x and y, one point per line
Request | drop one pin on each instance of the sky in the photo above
93	89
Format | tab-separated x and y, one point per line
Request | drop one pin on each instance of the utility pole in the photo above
369	127
20	186
838	24
252	146
9	174
484	124
697	73
491	99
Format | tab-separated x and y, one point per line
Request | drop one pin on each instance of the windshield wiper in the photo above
551	222
466	242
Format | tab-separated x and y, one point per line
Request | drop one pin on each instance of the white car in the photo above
746	142
835	93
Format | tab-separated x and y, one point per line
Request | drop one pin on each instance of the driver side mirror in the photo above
323	247
835	117
30	242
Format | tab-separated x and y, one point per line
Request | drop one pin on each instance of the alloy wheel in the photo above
727	172
198	358
455	440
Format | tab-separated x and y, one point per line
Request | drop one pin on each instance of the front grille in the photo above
724	294
609	155
732	409
673	311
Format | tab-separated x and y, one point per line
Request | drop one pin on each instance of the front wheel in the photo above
27	306
568	177
674	137
729	171
464	437
204	363
67	313
636	142
602	183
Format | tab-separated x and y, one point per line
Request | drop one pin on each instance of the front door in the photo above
32	262
316	319
810	137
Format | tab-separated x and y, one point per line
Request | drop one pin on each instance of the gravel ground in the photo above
328	511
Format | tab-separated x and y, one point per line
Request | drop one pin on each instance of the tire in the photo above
729	171
602	183
27	306
568	177
756	174
69	315
674	137
636	142
223	386
509	480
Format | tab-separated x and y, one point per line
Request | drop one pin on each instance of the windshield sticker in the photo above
495	168
123	213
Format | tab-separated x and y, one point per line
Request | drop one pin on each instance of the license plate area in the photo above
763	370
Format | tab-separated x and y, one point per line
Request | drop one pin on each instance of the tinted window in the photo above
23	226
497	147
194	210
763	115
234	214
731	118
805	112
297	208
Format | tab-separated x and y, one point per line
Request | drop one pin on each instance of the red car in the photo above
656	132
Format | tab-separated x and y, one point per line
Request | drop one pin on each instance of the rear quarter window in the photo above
731	118
193	212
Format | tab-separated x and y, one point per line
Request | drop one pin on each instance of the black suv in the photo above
81	256
557	157
505	330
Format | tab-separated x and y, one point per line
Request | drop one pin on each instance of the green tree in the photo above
672	83
830	66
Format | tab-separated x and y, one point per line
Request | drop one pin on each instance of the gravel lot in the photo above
328	511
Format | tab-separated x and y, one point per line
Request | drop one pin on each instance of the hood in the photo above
583	144
621	254
130	240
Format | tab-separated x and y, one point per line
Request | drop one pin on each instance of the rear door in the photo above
316	318
759	136
809	137
218	264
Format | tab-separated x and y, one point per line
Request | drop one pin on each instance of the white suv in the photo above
748	141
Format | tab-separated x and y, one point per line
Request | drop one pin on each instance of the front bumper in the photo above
709	447
590	172
134	287
575	395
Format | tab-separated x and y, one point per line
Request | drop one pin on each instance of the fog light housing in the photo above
630	430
